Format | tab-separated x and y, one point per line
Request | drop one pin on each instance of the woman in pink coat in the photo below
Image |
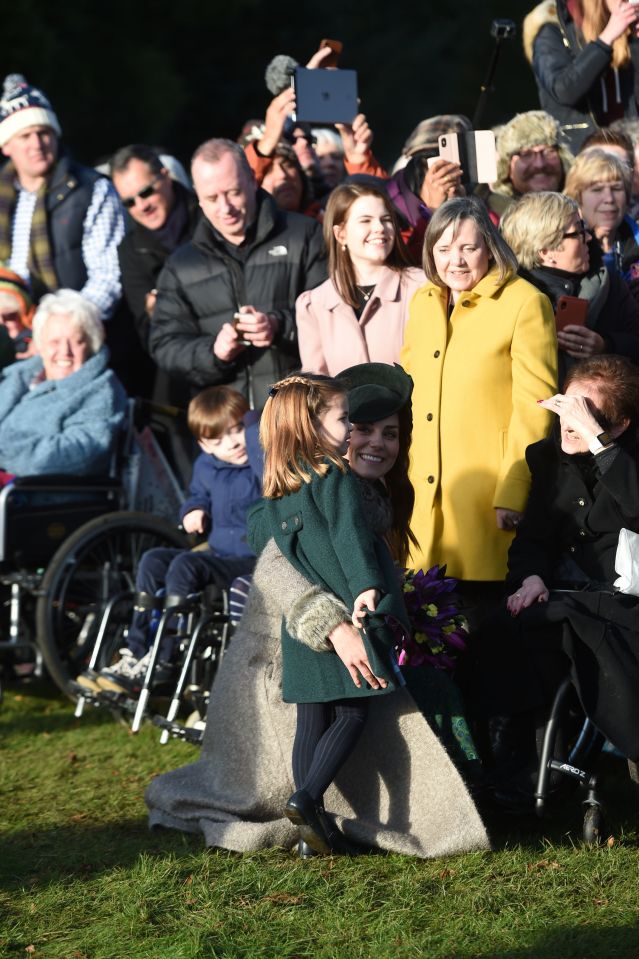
358	315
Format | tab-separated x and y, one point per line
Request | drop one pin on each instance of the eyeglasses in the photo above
582	232
142	194
546	153
310	139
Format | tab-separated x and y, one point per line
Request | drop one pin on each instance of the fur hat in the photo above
376	390
426	134
23	106
545	12
532	129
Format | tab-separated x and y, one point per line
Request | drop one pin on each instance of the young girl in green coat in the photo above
313	509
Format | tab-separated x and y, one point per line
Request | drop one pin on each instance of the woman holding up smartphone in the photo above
585	57
556	252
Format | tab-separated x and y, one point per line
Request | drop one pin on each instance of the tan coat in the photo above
331	337
478	378
398	790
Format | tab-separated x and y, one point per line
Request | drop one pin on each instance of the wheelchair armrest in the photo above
60	481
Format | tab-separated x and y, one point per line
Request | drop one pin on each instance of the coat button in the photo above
297	521
436	354
582	532
70	184
60	196
431	479
465	302
283	525
572	549
429	417
581	502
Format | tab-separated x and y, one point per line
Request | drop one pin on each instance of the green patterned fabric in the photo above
41	266
441	704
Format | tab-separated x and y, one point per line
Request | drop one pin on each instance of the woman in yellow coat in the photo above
481	347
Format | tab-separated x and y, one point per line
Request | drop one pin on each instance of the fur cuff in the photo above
313	616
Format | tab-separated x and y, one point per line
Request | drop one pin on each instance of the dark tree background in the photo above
175	72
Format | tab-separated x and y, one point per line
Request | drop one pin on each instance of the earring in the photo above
344	247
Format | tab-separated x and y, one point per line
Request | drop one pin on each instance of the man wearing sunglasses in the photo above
162	215
60	223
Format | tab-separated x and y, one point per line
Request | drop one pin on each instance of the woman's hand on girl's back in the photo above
532	590
365	602
349	646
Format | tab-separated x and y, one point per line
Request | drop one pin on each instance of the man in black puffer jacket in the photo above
225	309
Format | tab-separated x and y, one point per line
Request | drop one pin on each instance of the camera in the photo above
506	29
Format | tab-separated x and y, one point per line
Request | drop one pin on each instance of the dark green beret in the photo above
376	390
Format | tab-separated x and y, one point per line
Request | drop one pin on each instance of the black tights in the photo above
326	734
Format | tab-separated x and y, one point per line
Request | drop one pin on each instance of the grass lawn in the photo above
81	877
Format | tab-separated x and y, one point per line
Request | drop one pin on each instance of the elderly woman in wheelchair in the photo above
563	616
60	411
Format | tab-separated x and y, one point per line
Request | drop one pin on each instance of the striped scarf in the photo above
41	268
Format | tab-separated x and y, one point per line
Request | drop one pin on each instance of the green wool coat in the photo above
323	532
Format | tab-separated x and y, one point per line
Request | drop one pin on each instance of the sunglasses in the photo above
582	232
142	194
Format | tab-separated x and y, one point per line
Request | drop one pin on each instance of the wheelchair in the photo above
198	628
68	544
578	766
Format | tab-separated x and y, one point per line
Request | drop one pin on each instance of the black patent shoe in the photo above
307	816
304	851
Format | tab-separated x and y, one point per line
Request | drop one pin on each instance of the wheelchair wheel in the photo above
97	561
594	828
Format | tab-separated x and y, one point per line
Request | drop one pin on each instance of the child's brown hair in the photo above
290	432
215	409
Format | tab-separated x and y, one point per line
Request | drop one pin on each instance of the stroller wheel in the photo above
594	829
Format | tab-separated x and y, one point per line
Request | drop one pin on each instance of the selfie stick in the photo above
500	30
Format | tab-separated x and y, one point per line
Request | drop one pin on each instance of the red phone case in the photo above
571	310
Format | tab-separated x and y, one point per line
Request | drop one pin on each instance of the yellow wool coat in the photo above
478	376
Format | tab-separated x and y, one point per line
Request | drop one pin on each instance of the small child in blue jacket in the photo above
227	479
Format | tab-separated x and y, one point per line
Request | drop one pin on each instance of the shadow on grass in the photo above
36	723
576	942
80	851
29	688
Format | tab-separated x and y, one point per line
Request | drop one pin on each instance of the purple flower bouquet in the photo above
438	630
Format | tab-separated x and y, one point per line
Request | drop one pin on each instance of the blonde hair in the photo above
596	16
537	222
290	432
597	166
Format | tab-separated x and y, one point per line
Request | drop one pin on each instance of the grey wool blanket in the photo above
399	791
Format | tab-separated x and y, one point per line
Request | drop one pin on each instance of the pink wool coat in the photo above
331	337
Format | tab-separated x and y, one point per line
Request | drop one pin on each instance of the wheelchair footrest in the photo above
104	698
178	731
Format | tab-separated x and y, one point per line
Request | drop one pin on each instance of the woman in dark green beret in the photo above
399	790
